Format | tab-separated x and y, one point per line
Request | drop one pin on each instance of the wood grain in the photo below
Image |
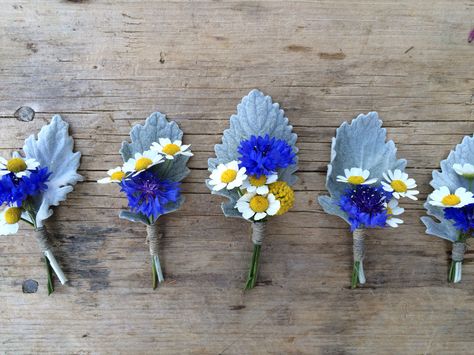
105	65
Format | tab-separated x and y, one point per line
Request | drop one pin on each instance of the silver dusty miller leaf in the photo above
257	115
156	126
361	144
54	149
462	154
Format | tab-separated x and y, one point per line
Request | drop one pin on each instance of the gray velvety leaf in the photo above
462	154
361	144
134	217
257	115
54	149
156	126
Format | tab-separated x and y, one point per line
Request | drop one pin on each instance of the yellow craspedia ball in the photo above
284	194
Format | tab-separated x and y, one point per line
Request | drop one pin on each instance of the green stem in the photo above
49	271
355	274
155	273
452	270
26	221
253	272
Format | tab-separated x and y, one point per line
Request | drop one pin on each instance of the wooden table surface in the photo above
105	65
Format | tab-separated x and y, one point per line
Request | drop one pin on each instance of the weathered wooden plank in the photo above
106	65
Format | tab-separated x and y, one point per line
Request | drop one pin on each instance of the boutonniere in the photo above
154	165
254	168
33	182
451	204
365	181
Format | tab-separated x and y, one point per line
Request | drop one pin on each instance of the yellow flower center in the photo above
228	176
284	194
389	211
143	163
171	149
12	215
356	179
15	165
399	186
254	181
117	176
259	204
450	200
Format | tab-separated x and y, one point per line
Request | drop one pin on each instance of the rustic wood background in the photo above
105	65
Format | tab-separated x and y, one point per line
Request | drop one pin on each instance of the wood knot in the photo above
25	114
29	286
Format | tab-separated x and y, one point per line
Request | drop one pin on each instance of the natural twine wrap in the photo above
258	232
41	236
153	238
358	246
458	251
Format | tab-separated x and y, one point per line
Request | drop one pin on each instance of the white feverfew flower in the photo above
259	185
398	183
356	176
9	219
394	210
115	175
257	207
171	149
18	166
142	161
442	197
227	176
466	170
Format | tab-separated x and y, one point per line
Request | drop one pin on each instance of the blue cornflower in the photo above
364	205
265	155
462	218
149	195
35	183
15	190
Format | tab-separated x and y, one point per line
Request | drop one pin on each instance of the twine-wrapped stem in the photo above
258	233
358	249
41	236
457	257
153	239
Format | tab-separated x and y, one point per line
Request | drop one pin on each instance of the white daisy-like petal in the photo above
233	165
247	213
399	184
259	185
256	206
10	227
164	141
465	170
442	197
227	176
393	210
274	205
394	222
18	166
115	175
262	190
141	162
171	149
356	176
